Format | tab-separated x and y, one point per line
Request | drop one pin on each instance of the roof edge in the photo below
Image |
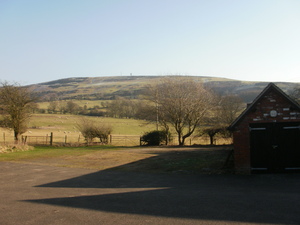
266	89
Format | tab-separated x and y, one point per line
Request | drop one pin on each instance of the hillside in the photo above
107	88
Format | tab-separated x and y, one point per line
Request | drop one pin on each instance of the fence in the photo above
116	140
203	140
38	140
8	139
59	138
125	140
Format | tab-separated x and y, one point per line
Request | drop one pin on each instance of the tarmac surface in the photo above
38	194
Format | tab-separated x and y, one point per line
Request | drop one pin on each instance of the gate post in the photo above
51	138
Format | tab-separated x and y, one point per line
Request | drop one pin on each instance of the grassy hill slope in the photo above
107	88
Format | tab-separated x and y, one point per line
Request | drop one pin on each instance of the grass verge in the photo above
51	152
137	159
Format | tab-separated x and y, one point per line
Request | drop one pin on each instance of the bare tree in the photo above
122	108
181	103
15	106
295	93
62	107
229	107
52	107
72	107
226	109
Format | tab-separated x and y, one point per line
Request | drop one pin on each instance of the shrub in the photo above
91	130
155	138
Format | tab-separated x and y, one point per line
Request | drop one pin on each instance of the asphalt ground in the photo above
38	194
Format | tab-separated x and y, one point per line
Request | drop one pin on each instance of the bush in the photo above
91	130
156	137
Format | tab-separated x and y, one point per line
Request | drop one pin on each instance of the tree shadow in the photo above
263	198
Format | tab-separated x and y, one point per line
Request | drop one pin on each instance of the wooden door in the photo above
275	146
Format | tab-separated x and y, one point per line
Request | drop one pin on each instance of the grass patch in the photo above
183	161
51	153
138	159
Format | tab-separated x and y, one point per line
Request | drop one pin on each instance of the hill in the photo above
107	88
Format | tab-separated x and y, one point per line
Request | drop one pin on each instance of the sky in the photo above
253	40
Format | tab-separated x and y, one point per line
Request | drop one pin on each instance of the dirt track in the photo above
38	194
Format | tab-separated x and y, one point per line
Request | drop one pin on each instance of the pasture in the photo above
68	123
64	127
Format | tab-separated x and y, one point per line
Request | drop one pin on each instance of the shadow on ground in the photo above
264	198
192	160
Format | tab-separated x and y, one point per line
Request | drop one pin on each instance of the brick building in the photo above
266	135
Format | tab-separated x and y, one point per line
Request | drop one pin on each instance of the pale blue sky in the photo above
240	39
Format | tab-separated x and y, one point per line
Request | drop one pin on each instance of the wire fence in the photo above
115	140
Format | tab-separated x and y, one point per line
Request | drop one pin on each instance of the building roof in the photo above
271	86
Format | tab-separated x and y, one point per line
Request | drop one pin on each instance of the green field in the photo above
67	125
65	130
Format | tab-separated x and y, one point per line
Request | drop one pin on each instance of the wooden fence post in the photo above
51	138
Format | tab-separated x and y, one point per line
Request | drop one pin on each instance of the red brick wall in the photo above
260	113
